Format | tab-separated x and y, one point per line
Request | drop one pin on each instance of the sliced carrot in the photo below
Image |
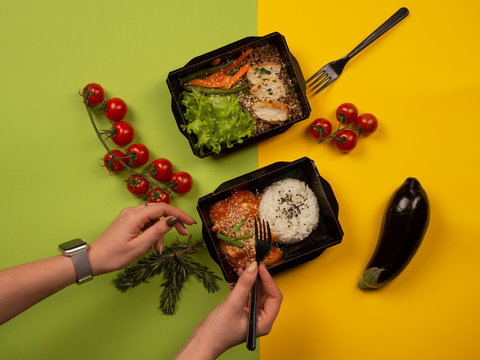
216	76
234	78
215	62
238	61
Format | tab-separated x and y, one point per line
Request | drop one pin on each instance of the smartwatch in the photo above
77	250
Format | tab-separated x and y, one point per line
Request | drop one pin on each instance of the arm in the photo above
226	325
124	240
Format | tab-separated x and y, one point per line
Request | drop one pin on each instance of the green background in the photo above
52	186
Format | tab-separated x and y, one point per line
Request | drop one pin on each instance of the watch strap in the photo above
82	265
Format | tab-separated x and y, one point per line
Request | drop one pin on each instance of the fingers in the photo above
243	286
272	296
157	210
154	234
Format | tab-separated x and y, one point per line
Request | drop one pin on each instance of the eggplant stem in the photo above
370	278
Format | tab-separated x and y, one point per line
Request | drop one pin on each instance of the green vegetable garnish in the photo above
248	236
217	121
238	226
203	72
230	241
211	91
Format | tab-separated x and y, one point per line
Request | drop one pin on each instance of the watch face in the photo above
72	244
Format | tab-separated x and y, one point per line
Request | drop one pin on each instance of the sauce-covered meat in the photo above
227	215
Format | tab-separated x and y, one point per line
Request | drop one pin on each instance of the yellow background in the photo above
422	81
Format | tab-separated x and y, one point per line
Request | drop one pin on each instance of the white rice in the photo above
291	209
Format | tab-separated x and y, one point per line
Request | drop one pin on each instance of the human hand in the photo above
132	233
226	325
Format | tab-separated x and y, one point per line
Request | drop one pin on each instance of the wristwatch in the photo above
77	250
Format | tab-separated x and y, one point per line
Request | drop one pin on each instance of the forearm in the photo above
23	286
199	348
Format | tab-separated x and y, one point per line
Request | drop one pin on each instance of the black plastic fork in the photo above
263	245
330	72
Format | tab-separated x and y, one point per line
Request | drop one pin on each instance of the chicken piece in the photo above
270	89
271	112
231	251
263	71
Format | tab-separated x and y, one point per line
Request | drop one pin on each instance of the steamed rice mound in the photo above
291	209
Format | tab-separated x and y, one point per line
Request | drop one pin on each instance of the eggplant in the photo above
403	227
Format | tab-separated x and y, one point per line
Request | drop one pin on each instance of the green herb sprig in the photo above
177	266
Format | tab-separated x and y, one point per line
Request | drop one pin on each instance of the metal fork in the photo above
330	72
263	245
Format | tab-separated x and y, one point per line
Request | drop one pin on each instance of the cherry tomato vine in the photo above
156	182
350	127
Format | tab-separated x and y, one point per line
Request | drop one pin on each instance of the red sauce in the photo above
225	214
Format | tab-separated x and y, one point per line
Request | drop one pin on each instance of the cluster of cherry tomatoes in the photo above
136	155
350	128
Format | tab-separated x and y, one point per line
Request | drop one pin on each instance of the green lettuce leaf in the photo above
216	120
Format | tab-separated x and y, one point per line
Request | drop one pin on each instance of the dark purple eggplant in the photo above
403	227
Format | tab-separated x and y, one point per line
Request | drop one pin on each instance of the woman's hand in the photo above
226	325
132	233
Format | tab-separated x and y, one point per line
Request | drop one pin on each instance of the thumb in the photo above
243	286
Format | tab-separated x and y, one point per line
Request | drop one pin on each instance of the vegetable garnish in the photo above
213	91
217	121
231	241
204	72
220	79
238	226
221	82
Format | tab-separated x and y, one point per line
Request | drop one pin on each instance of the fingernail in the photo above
172	221
252	267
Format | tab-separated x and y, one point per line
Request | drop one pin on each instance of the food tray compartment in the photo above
232	51
327	233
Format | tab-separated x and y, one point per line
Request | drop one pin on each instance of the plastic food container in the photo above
327	233
232	51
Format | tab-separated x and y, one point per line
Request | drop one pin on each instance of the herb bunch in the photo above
176	266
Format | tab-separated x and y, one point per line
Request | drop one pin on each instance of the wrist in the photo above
76	250
199	346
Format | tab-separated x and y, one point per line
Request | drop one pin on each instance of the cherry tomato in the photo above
368	123
122	133
116	109
184	182
137	185
161	169
94	93
158	195
140	154
320	127
113	164
346	140
347	113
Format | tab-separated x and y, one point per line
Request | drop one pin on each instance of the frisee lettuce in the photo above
216	120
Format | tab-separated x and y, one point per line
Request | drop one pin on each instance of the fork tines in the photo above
321	78
263	239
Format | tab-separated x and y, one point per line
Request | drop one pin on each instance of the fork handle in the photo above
252	318
393	20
